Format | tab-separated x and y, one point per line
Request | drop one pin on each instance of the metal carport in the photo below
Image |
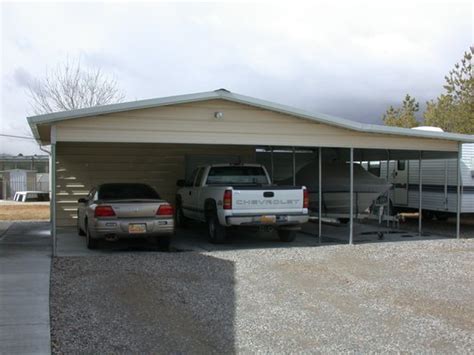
209	122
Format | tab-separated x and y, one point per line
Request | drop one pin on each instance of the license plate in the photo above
137	228
268	219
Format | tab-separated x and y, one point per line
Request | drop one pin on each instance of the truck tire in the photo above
181	220
217	232
90	242
286	235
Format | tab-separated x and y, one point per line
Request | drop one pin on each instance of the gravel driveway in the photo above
409	296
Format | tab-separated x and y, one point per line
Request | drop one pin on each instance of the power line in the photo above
14	136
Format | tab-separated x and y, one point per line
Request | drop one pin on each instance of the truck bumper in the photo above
264	220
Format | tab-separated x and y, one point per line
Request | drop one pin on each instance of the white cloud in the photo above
343	58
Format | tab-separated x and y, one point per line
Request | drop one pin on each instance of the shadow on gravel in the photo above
142	303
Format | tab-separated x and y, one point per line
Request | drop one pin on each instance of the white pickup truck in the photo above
225	195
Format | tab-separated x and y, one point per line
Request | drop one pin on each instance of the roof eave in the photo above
34	121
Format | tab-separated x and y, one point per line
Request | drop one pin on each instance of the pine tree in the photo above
453	111
403	116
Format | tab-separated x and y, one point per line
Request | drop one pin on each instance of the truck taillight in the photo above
305	198
227	200
165	210
104	211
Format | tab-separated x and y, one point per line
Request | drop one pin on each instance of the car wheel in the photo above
181	220
91	243
79	229
217	232
163	243
286	235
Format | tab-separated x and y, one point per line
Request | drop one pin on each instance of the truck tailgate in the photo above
267	200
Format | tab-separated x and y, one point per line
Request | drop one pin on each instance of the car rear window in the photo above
127	192
234	175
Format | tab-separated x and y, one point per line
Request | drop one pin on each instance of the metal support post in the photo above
53	189
351	213
458	191
320	194
294	167
420	195
272	165
387	214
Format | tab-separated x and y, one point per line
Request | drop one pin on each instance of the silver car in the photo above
125	210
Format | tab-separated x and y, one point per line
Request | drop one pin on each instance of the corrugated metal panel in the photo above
82	166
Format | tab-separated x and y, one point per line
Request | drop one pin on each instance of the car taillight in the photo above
165	210
227	200
305	198
104	211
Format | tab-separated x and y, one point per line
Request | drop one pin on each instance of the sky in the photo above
346	59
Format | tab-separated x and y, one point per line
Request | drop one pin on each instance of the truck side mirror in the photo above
181	183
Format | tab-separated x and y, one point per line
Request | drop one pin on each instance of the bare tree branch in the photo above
70	86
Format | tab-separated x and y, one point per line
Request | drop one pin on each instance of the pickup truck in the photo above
226	195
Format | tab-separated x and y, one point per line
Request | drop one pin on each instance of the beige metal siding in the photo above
241	124
80	166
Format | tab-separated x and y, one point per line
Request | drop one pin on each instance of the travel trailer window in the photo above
401	164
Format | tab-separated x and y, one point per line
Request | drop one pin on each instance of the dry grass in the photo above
24	212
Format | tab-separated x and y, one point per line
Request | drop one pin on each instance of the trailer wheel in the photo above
441	216
428	215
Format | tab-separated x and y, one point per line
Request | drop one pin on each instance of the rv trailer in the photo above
439	184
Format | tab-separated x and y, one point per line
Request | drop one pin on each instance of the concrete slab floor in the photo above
25	263
194	238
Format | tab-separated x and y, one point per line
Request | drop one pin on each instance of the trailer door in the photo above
400	183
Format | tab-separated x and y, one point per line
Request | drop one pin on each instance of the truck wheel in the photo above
286	235
91	243
217	232
181	220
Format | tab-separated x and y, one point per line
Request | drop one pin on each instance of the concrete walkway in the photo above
25	263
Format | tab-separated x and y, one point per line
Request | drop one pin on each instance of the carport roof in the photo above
49	119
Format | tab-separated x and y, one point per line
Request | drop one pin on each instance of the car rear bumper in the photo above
259	220
107	228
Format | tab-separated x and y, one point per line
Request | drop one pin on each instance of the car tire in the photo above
163	243
286	235
217	232
79	229
90	242
181	220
